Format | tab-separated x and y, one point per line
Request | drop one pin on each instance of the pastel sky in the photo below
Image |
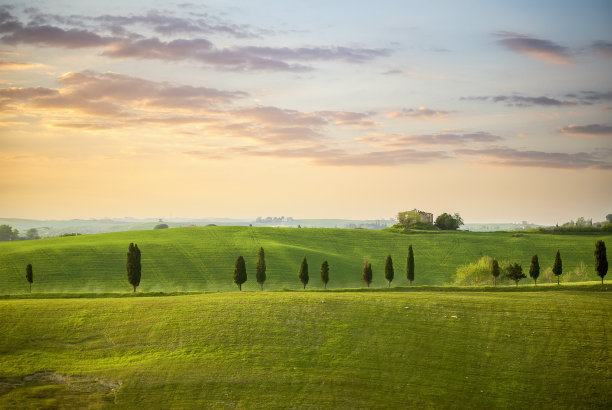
498	110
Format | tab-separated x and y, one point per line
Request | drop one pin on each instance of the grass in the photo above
202	259
367	349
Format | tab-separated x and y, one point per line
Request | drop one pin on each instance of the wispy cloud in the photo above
446	139
17	65
538	159
421	112
322	155
77	32
540	49
238	58
591	130
15	32
518	100
603	47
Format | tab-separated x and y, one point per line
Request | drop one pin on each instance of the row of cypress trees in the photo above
240	274
515	271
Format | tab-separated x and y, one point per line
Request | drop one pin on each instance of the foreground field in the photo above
310	349
202	259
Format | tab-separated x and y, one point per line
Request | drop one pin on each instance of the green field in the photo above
202	259
310	349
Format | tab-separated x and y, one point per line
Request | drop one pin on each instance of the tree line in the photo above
514	271
240	273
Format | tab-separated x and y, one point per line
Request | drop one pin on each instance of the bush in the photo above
479	273
161	226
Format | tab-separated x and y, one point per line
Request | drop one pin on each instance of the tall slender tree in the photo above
389	273
303	273
534	269
29	275
557	266
325	273
410	265
260	269
240	273
133	265
601	260
495	271
366	275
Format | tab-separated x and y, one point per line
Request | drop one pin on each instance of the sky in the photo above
497	110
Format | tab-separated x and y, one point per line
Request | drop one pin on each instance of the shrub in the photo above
475	273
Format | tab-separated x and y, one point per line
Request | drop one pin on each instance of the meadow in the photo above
310	349
202	259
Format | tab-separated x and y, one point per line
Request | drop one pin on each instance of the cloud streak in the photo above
537	159
591	130
603	47
544	50
421	112
124	44
518	100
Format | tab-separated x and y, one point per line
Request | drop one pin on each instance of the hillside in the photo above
314	349
202	259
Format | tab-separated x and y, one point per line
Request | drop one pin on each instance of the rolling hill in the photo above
202	259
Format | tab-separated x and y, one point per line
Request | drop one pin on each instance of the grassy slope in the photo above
315	349
196	259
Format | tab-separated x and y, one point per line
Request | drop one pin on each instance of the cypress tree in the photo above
240	274
557	266
601	260
389	270
366	276
534	269
29	275
495	271
260	269
410	265
133	265
303	274
325	273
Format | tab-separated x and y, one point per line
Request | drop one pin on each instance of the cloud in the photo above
166	24
17	65
16	32
77	32
125	98
448	139
383	158
540	49
603	47
355	119
421	112
283	117
90	85
523	101
237	58
537	159
22	94
277	116
590	130
321	155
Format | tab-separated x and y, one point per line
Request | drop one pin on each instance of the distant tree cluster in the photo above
8	233
447	222
161	226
